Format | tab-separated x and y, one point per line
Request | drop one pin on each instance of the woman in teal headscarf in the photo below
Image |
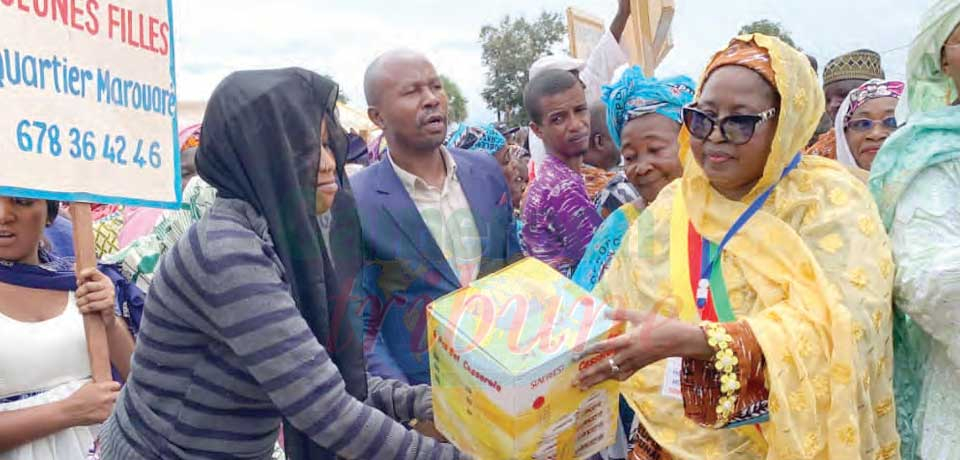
916	181
480	138
643	116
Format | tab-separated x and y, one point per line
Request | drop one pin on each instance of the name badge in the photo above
671	379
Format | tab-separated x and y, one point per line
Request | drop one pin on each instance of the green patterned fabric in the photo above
928	88
927	140
140	258
930	140
911	349
925	237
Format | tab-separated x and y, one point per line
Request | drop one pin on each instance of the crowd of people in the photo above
784	249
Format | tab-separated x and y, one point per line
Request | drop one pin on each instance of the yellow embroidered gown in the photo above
810	275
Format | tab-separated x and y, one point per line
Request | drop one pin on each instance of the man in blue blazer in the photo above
434	219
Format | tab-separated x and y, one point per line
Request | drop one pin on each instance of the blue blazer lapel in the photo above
400	206
477	186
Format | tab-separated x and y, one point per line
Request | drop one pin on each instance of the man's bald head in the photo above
405	98
598	119
378	69
603	153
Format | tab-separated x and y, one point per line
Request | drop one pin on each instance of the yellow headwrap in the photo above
810	273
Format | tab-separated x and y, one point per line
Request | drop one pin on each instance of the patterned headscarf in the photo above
929	137
635	95
928	88
190	137
870	90
746	54
483	138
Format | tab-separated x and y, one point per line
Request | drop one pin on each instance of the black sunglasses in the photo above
735	129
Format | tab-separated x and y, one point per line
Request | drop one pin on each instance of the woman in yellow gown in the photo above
779	348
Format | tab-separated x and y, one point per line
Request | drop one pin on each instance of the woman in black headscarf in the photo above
247	321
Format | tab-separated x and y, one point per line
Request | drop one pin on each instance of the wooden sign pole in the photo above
647	35
93	326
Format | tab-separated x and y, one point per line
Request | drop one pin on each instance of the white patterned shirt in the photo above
446	212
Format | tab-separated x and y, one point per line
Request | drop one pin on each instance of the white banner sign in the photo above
87	101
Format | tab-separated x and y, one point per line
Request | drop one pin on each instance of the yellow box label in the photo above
504	353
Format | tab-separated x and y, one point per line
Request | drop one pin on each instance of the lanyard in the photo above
703	286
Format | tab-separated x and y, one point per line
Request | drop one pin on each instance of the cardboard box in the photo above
504	353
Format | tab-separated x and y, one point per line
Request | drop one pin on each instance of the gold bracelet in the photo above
725	362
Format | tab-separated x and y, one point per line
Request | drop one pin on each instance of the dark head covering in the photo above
357	150
261	144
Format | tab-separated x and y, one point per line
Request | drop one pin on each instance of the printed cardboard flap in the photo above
522	317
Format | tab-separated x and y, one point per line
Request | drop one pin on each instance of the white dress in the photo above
41	363
926	245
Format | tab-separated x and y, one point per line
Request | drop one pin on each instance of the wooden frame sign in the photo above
585	32
646	38
648	33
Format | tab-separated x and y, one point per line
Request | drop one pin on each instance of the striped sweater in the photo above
223	353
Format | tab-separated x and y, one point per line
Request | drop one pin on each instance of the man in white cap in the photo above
595	72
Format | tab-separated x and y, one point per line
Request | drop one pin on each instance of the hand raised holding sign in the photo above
619	23
90	118
96	296
93	109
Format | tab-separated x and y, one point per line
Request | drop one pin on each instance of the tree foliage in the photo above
456	100
509	49
768	27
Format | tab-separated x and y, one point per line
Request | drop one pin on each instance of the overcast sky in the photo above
340	37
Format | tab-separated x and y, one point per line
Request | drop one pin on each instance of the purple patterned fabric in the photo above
559	219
